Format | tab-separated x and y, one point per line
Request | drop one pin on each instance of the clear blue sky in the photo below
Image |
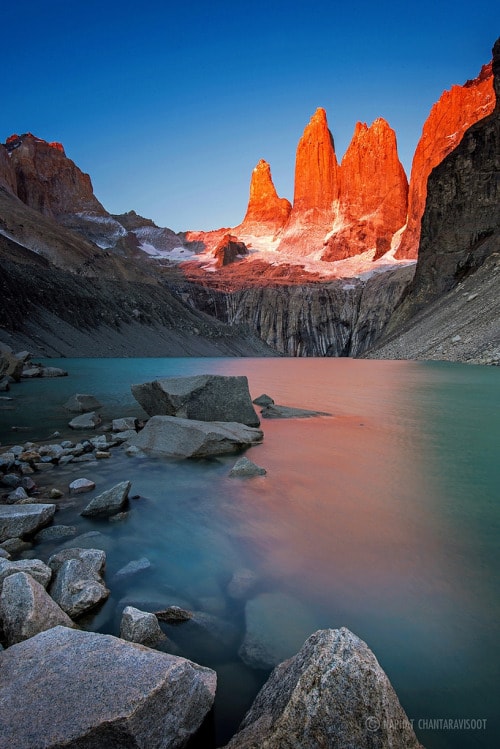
169	105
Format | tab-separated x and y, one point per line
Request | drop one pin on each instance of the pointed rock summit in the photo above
267	213
449	118
373	194
316	189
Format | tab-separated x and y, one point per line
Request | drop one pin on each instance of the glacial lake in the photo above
383	518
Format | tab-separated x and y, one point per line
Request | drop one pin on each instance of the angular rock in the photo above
98	691
38	570
109	502
77	584
333	694
140	626
15	545
200	397
17	495
263	400
89	420
174	614
271	634
55	532
17	521
124	424
172	437
27	609
228	250
245	467
81	403
10	366
80	486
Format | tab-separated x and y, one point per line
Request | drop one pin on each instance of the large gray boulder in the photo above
77	584
81	403
333	694
172	437
27	609
17	521
109	502
34	567
140	626
202	397
91	691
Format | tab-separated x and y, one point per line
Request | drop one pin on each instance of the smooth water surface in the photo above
383	518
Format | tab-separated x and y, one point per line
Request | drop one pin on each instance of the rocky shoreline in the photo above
126	689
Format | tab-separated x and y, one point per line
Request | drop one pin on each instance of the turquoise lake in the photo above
383	518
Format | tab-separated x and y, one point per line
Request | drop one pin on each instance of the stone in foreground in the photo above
172	437
26	609
77	584
34	567
95	691
109	502
201	397
333	694
17	521
140	626
244	467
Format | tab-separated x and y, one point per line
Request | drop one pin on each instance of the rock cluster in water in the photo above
106	690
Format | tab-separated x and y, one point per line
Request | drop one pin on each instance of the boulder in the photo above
140	626
201	397
17	521
263	400
333	694
272	633
77	584
10	366
38	570
55	532
109	502
81	403
27	609
80	486
53	372
124	424
97	691
89	420
172	437
174	615
273	411
244	467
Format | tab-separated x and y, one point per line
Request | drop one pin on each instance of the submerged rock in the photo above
172	437
273	411
201	397
245	467
98	691
81	403
333	694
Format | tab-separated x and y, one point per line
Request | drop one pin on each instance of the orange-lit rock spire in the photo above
267	213
373	193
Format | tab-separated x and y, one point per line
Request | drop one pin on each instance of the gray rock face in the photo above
81	403
38	570
109	502
172	437
140	626
201	397
124	424
270	636
86	421
27	609
94	691
17	521
77	584
245	467
333	694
